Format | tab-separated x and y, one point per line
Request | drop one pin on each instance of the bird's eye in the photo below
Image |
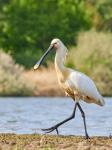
55	45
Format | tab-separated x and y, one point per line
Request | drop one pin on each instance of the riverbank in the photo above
52	142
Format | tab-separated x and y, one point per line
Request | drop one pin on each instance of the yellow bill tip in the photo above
36	66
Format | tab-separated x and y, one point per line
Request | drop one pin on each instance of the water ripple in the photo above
29	115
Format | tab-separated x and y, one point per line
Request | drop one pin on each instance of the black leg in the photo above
55	127
83	116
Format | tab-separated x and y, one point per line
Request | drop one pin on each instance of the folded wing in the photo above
86	87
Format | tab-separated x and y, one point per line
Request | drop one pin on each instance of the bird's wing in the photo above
85	86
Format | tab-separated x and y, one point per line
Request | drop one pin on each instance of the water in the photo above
29	115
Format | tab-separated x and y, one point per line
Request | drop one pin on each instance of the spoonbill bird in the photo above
75	84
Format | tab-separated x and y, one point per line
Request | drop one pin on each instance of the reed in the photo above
12	80
93	56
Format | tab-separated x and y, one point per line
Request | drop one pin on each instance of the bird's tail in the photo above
101	101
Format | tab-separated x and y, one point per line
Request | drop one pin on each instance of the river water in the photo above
28	115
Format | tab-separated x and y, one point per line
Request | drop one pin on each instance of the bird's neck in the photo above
59	62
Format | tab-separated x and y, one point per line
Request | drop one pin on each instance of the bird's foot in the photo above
87	136
110	136
48	130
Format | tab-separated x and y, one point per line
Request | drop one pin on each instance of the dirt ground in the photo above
53	142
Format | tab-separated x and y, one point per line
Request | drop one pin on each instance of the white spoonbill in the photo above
75	84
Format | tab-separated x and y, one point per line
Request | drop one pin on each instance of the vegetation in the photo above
53	142
93	56
28	26
12	80
45	80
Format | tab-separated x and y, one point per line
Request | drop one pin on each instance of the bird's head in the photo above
55	44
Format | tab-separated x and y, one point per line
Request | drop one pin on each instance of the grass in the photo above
16	81
52	142
93	56
12	80
45	80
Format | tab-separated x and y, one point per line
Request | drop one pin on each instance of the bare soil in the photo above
53	142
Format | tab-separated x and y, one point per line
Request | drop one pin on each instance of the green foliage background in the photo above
28	26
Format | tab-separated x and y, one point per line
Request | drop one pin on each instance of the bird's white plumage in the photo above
76	82
73	82
85	86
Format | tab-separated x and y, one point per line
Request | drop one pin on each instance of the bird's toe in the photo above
87	136
48	130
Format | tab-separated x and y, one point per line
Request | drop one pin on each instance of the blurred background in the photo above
28	26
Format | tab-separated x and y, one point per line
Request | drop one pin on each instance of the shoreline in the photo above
53	142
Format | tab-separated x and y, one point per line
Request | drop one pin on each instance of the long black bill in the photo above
37	65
